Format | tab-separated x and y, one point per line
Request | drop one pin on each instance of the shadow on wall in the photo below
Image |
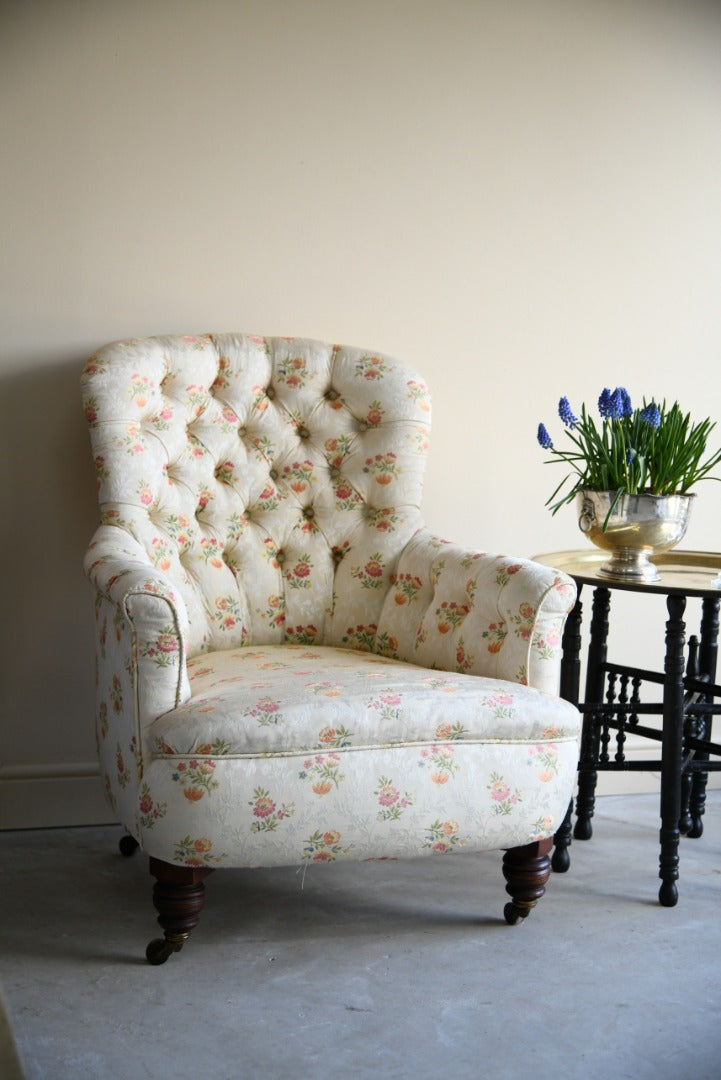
46	632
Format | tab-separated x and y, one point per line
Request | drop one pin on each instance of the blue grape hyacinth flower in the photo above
652	415
620	404
544	438
566	413
604	403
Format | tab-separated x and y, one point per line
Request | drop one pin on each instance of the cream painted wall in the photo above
520	197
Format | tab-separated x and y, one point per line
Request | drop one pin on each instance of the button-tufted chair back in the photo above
272	481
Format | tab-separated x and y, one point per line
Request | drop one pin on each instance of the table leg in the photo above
672	749
595	678
690	731
570	678
708	653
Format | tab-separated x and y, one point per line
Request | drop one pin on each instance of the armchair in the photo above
290	668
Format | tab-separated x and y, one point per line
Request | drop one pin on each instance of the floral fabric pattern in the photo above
291	670
267	814
477	613
288	697
391	801
442	837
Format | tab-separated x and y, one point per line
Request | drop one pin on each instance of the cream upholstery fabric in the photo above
290	667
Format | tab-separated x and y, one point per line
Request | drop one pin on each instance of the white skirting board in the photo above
52	796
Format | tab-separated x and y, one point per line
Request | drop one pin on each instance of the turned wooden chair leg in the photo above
178	896
526	870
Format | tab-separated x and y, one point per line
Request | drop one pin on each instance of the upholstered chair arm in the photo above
154	611
469	611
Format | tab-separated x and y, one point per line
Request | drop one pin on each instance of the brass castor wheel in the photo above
128	845
513	915
160	949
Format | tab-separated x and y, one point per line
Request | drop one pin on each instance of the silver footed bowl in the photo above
640	526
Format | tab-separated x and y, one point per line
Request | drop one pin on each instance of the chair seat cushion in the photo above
284	699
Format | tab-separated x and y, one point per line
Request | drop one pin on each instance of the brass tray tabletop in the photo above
688	573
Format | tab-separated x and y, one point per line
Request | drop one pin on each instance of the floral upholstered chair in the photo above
291	669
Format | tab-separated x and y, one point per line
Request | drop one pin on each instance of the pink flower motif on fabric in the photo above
391	801
267	813
298	577
267	711
387	704
370	575
502	795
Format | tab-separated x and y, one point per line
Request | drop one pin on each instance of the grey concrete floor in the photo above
390	969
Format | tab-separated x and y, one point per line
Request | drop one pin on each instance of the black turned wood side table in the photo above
612	708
